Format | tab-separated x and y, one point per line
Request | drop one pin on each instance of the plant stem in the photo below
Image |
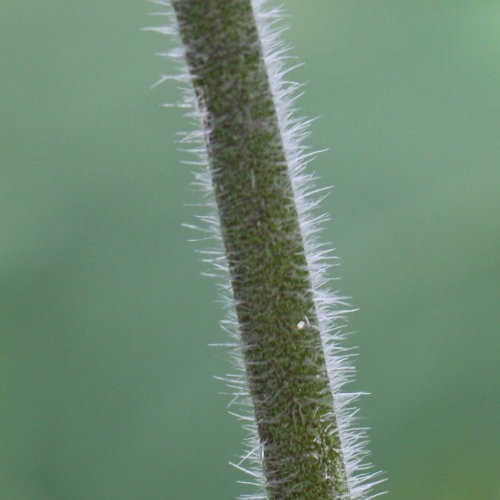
277	316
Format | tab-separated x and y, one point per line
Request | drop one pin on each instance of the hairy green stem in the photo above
277	317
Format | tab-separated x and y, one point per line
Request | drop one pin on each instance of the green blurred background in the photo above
107	385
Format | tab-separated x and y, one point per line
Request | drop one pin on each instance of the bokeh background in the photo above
106	376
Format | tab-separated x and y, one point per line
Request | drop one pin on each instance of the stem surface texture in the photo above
277	316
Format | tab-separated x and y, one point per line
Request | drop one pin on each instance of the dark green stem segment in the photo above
281	343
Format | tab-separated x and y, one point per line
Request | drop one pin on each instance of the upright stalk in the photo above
277	314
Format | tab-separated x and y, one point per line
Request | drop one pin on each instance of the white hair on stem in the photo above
331	308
